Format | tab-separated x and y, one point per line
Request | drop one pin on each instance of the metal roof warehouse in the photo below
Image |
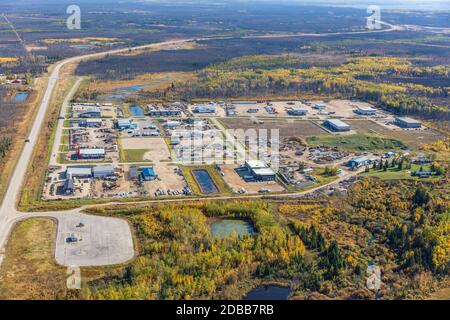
337	125
406	122
366	111
78	172
126	124
103	171
91	153
260	170
358	162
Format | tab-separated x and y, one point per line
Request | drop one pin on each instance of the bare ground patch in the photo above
287	127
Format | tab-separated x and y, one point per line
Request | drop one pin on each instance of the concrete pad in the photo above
101	241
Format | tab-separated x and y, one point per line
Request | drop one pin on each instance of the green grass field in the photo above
395	174
357	142
65	139
134	155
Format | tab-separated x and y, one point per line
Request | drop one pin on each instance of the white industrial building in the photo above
102	172
337	125
96	153
172	124
78	172
406	122
366	111
297	111
260	170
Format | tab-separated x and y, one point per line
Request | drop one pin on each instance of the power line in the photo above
19	38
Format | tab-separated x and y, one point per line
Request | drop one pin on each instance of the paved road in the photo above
8	212
60	124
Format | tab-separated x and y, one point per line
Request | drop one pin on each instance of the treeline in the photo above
410	219
400	163
5	145
322	249
331	259
421	242
265	76
180	259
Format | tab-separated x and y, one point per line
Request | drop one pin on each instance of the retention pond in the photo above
269	292
205	181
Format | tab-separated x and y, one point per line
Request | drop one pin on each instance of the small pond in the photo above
21	96
225	227
205	181
270	292
136	111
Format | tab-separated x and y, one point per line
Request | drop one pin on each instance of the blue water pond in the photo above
21	96
224	228
136	111
205	181
270	292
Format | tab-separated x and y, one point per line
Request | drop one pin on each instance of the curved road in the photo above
9	215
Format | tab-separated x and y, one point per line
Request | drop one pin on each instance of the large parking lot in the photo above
316	109
85	240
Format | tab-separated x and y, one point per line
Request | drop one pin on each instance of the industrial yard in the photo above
125	151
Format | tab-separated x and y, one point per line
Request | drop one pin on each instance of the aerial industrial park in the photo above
103	154
226	150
